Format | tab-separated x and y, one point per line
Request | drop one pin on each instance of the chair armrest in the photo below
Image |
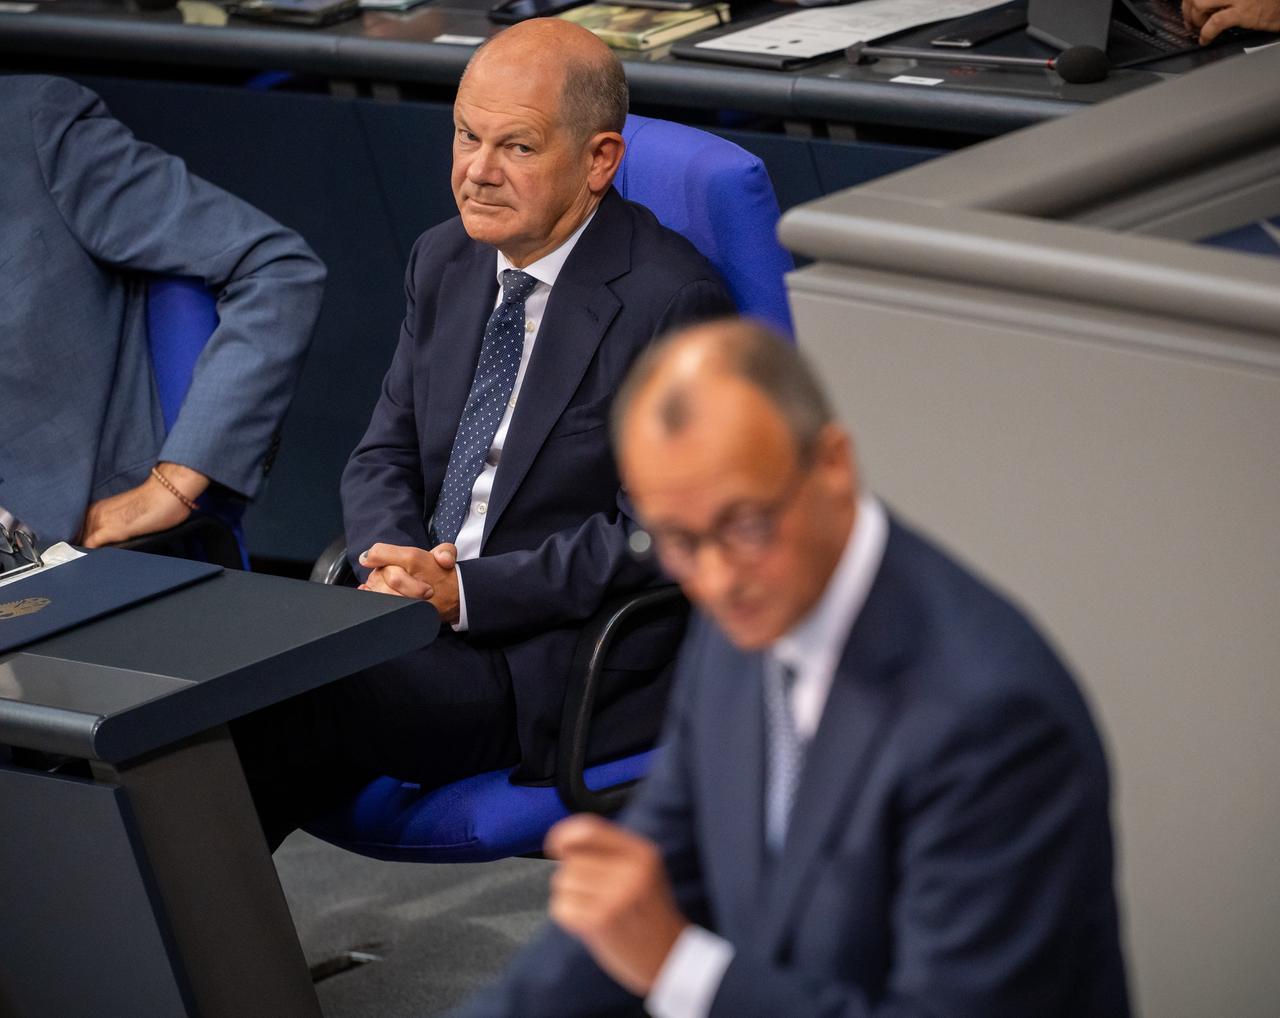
215	536
616	617
332	566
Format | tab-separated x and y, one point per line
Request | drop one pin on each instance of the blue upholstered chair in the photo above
181	316
718	196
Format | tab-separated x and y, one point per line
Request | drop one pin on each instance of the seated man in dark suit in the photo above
881	793
485	483
85	212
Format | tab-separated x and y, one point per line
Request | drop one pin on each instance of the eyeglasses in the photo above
18	552
742	532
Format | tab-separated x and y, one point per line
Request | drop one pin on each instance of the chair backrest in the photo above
181	316
719	197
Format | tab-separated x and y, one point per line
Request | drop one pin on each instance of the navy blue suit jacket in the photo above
950	850
555	535
86	211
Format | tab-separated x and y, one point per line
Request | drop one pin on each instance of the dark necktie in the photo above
785	753
491	388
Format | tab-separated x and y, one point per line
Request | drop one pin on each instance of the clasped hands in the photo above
419	573
611	891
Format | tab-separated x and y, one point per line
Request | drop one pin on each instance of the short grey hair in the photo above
595	96
744	349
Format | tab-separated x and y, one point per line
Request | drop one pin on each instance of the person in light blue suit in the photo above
87	212
881	793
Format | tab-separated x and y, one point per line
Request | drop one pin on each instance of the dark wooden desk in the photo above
147	888
399	49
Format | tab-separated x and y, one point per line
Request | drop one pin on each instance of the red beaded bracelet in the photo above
189	503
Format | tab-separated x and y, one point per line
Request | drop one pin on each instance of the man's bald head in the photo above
593	87
671	372
735	467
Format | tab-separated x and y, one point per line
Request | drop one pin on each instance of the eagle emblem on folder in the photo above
25	606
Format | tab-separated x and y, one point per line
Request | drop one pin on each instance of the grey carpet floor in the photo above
437	932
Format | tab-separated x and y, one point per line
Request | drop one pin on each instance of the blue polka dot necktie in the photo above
491	389
785	753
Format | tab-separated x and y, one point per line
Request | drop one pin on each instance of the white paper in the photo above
57	555
821	30
459	40
914	79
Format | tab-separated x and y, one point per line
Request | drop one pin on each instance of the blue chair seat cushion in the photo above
476	819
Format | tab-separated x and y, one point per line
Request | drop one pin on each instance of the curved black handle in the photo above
332	566
617	616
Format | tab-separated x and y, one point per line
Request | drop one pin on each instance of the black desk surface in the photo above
164	670
398	48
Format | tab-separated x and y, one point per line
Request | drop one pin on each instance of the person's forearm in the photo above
562	581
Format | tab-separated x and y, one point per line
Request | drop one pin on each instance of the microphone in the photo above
1079	65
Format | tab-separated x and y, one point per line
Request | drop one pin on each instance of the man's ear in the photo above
834	456
605	150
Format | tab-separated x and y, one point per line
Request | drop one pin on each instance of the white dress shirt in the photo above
545	270
690	976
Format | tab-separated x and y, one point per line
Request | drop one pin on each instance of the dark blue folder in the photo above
105	580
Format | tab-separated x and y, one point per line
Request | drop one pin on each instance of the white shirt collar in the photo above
547	268
814	644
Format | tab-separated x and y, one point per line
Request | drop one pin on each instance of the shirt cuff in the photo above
461	625
689	978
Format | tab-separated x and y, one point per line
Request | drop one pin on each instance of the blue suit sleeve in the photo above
136	208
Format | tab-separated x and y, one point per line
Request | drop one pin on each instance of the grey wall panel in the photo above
1117	473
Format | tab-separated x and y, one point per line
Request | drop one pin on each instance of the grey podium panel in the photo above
1090	419
163	851
139	680
107	954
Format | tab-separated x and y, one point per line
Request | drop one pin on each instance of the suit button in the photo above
512	401
528	325
482	507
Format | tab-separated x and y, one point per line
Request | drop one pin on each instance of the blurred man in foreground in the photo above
881	792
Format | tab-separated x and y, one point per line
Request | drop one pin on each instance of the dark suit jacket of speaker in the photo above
555	534
949	851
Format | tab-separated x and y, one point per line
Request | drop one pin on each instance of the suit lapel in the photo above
469	287
854	722
578	313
